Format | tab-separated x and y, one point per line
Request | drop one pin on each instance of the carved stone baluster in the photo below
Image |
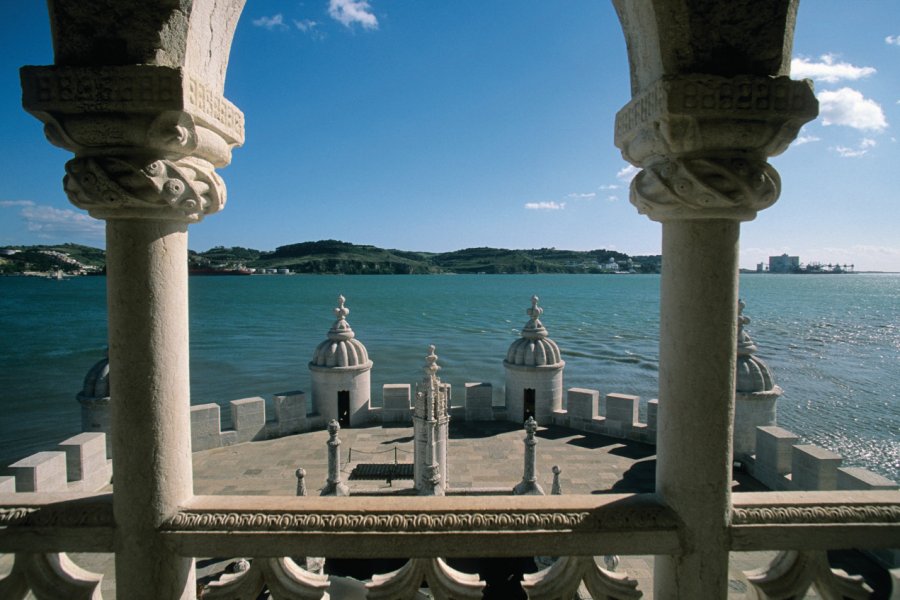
561	580
444	582
282	576
49	577
792	573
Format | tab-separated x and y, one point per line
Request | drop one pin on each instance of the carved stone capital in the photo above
147	139
117	110
186	189
703	141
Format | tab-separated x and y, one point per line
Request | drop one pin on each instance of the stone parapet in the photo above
80	465
479	402
396	403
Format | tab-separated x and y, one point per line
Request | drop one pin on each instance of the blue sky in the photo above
445	125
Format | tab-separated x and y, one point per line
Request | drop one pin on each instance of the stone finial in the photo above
556	490
753	375
334	486
534	329
431	367
341	330
301	481
529	484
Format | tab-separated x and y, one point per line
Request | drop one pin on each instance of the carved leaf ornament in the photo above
108	187
561	581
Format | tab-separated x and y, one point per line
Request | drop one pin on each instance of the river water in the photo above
833	342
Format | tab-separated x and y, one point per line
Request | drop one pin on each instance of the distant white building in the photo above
783	264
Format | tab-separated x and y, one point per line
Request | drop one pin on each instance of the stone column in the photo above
529	484
147	140
334	486
703	142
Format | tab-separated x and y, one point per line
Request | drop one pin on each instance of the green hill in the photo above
334	256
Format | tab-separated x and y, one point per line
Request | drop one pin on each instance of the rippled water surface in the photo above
833	343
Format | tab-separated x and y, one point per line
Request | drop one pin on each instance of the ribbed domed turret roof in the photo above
753	375
534	348
96	382
341	349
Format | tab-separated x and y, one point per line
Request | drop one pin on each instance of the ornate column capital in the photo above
703	141
147	139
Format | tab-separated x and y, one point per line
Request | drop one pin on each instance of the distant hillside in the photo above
71	259
333	256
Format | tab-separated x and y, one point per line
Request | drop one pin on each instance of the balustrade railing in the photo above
40	528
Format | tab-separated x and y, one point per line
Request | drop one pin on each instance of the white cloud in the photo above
612	198
273	22
306	25
11	203
348	12
867	143
583	196
893	40
612	186
806	139
849	107
545	205
59	223
846	152
828	70
627	173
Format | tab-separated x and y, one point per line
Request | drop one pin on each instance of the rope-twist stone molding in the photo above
787	515
647	518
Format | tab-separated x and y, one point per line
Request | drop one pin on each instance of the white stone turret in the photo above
94	400
534	372
341	374
755	392
431	430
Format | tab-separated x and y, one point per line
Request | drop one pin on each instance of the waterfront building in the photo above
340	374
137	95
784	264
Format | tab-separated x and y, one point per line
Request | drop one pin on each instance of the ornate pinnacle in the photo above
431	367
534	329
745	345
341	329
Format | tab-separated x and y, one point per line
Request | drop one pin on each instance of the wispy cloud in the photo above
612	186
861	149
627	173
805	138
306	25
582	196
849	107
350	12
545	205
612	198
828	69
270	23
47	222
893	40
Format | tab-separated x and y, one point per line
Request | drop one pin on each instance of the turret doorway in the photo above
344	408
528	404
